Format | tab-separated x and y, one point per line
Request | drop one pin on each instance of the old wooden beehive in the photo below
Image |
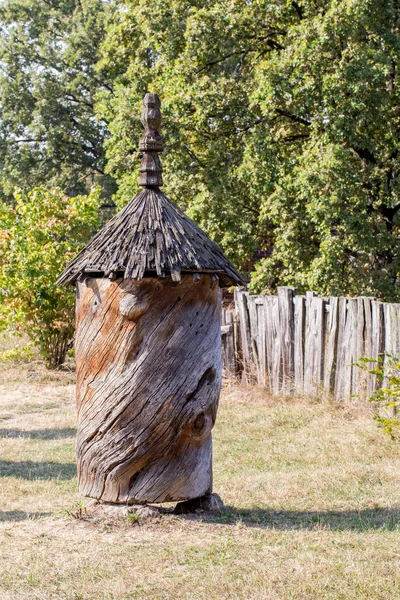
148	345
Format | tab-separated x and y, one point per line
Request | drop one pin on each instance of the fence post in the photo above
299	334
286	322
331	345
296	343
242	307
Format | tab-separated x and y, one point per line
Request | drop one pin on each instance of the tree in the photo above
284	130
38	235
49	134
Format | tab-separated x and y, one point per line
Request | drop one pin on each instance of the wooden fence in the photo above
308	344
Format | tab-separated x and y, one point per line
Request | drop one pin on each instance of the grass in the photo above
311	493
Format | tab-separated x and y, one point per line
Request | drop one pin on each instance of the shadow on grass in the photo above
37	470
20	515
39	434
334	520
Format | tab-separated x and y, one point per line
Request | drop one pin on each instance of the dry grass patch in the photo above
312	495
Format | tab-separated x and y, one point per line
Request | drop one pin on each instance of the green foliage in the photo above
38	235
387	397
133	518
48	131
18	354
282	130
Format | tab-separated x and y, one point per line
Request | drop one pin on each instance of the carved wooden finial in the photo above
151	143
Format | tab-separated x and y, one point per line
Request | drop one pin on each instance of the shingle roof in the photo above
151	234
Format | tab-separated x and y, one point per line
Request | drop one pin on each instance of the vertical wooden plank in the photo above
277	350
331	345
273	337
241	303
359	379
286	322
369	381
228	347
254	366
268	339
318	366
309	341
237	343
397	332
341	350
391	327
262	376
390	334
299	332
347	348
350	347
314	343
378	337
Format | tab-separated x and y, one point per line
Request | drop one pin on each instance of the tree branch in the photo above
298	9
211	63
365	154
292	117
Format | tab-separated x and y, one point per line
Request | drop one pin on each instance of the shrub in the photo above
18	354
387	397
39	234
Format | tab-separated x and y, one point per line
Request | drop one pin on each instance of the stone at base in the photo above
209	502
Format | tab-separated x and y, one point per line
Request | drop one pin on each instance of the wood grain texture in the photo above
299	332
245	335
314	343
262	348
274	344
228	344
331	337
148	357
286	321
256	341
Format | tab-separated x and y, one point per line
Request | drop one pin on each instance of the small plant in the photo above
387	397
132	518
78	511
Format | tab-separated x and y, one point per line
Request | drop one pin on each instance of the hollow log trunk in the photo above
148	357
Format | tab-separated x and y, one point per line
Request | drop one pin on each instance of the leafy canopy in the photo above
282	125
49	134
38	236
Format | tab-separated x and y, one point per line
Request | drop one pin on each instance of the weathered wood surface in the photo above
148	357
313	343
286	322
308	344
229	343
299	334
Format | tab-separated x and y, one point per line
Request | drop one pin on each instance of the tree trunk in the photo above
148	357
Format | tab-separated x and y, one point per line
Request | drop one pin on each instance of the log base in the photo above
148	356
143	512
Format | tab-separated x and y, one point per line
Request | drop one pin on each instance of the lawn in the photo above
312	495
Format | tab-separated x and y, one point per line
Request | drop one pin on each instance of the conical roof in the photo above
151	235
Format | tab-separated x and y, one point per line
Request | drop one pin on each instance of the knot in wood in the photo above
132	306
201	426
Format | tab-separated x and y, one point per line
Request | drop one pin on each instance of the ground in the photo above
311	492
